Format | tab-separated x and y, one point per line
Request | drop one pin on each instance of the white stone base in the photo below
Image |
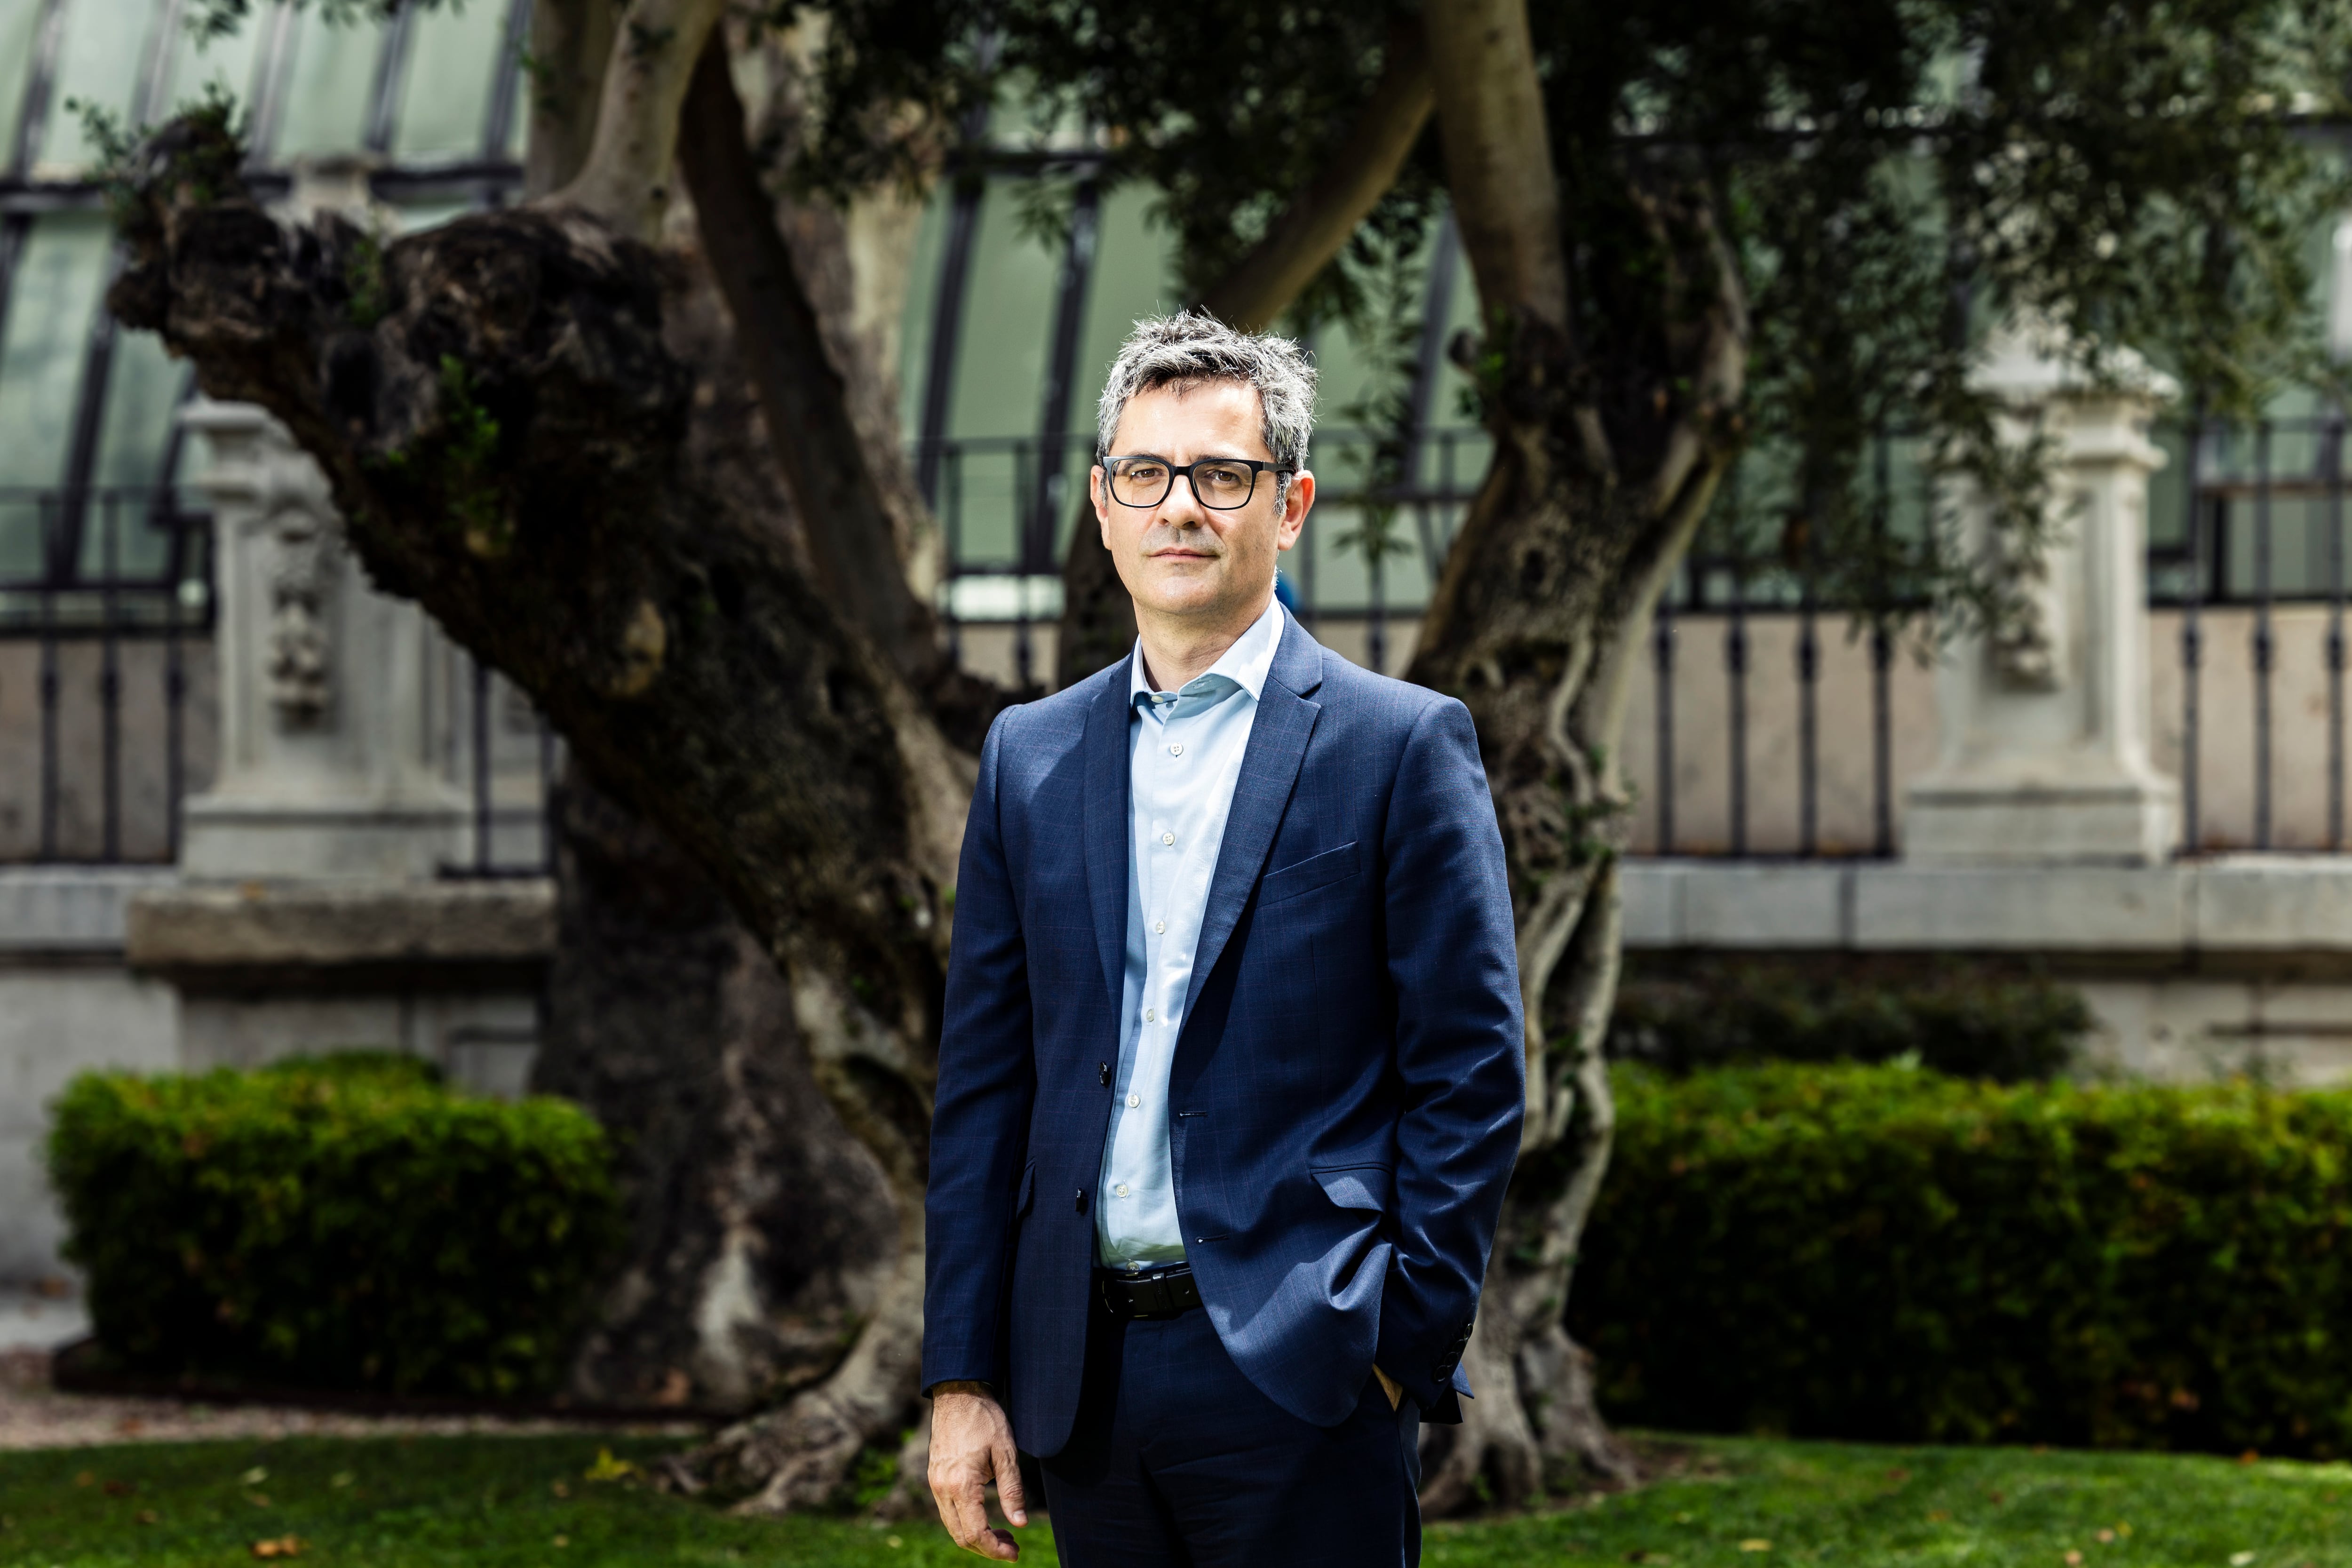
246	841
2193	969
2134	822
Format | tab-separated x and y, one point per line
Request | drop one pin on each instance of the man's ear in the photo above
1101	503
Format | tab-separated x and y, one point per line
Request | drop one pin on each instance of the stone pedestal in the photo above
2044	756
335	742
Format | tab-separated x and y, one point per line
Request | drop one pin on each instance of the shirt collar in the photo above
1247	664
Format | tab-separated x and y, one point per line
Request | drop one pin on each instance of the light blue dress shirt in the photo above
1185	756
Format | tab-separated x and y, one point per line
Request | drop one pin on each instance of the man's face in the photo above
1181	558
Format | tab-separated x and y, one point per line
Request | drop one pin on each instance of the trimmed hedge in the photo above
1877	1253
1973	1019
345	1222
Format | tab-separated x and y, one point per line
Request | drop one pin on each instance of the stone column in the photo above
2044	757
334	741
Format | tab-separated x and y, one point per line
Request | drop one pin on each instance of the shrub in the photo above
1880	1253
345	1222
1970	1020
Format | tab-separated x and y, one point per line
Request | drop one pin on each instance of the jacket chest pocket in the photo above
1313	874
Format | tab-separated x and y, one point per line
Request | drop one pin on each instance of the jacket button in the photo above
1103	1068
1082	1200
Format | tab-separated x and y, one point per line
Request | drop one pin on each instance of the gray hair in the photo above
1194	346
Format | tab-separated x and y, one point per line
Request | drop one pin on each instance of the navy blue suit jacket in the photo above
1345	1099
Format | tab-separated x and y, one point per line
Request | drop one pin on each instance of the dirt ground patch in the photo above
33	1415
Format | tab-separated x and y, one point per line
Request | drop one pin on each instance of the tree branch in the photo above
1498	159
1319	219
626	180
570	44
840	510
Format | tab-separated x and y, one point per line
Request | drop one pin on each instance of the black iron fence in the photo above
1772	722
109	709
2265	537
105	602
508	829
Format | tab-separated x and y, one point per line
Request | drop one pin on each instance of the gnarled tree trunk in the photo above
1602	472
760	1231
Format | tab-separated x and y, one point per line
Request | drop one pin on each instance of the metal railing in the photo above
509	838
102	591
109	706
1775	724
2279	482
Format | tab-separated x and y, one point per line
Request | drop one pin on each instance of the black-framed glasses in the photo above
1220	484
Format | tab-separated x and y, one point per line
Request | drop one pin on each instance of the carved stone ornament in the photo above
298	663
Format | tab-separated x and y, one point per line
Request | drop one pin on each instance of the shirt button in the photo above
1120	1189
1152	1015
1177	750
1160	927
1133	1100
1168	838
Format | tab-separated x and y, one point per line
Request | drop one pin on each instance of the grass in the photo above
505	1502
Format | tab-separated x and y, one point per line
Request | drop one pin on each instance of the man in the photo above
1231	1076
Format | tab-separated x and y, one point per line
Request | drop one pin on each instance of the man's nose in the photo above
1181	504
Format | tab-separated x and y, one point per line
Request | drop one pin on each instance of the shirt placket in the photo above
1156	874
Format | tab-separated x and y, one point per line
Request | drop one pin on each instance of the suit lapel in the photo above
1106	821
1278	743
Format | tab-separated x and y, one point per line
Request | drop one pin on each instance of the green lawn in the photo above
502	1502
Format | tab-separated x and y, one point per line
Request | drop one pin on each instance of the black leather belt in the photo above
1159	1293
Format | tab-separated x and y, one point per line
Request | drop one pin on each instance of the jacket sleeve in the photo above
980	1120
1453	960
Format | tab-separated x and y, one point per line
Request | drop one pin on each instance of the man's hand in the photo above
971	1445
1389	1386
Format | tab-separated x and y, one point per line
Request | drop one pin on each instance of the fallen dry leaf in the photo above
284	1546
2074	1559
147	1516
1754	1546
608	1468
2106	1537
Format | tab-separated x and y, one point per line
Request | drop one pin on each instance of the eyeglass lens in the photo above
1146	481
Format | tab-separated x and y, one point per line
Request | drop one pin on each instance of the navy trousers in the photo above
1178	1460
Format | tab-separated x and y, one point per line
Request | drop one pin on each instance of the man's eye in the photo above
1223	478
1147	472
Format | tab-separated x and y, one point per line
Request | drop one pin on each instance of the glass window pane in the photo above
1000	371
40	363
142	395
142	398
1007	324
453	54
98	63
20	20
327	91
